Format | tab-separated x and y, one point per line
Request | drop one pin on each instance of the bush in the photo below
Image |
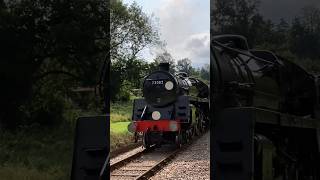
36	152
125	91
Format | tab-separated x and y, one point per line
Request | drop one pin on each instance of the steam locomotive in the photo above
265	110
174	107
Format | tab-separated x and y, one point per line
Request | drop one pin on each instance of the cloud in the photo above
184	25
198	45
175	18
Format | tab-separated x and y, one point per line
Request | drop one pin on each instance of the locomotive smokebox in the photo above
160	88
164	66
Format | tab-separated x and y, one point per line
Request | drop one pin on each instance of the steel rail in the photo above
157	167
125	161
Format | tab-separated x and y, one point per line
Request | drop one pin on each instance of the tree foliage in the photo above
298	40
44	42
131	31
50	48
184	65
235	16
164	56
205	72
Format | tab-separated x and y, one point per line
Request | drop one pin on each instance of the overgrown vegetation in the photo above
120	118
33	153
51	57
297	41
49	50
119	135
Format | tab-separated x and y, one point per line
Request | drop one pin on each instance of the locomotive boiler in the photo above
266	112
169	111
262	78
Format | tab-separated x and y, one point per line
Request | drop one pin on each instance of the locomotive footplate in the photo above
159	125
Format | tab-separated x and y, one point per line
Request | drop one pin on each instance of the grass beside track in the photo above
120	116
38	153
34	154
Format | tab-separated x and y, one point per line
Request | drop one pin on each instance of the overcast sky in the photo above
184	25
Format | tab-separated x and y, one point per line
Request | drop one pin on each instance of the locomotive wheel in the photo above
136	137
305	167
190	134
283	165
178	140
201	127
184	136
146	141
200	123
196	131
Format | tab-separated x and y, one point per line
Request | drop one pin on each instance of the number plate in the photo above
157	82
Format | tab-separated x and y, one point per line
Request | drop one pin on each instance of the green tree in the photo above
304	34
44	41
184	65
131	31
135	70
235	16
298	41
164	56
205	72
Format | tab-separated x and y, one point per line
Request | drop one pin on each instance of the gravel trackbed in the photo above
193	163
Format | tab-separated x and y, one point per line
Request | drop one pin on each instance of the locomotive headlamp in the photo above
156	115
169	85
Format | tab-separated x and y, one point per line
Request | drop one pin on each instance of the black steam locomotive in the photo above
169	111
266	114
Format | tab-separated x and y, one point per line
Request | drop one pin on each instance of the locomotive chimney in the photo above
164	66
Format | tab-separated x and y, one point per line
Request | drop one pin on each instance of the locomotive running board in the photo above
266	116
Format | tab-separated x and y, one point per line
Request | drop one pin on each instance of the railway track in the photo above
144	164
